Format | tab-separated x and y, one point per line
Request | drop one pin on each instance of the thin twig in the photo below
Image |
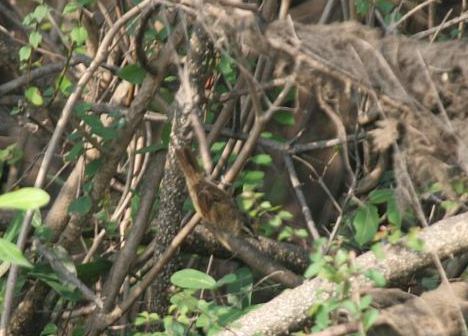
301	198
462	18
410	13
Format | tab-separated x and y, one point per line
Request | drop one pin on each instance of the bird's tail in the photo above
187	164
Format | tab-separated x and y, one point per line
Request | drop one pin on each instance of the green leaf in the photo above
71	7
40	13
47	275
81	205
49	330
81	108
240	291
301	233
25	53
98	128
79	35
193	279
24	199
133	73
33	95
365	302
385	6
393	213
285	215
75	151
146	318
227	68
366	223
90	272
9	252
64	84
449	205
413	241
376	277
286	233
380	196
284	118
378	251
227	279
253	177
370	317
35	39
262	159
362	7
93	167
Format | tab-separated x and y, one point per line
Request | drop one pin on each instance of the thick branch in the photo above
445	238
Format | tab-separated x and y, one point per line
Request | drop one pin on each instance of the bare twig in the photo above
410	13
301	198
462	18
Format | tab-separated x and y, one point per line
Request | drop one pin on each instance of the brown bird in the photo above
213	204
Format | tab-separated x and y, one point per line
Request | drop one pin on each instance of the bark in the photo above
446	238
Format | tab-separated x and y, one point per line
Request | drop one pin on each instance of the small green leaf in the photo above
35	39
217	147
71	8
253	177
393	213
47	275
380	196
370	317
301	233
133	73
366	223
449	205
286	233
40	13
227	68
98	128
81	108
262	159
365	302
193	279
285	215
246	203
33	95
9	252
376	277
385	6
227	279
414	242
79	35
362	7
75	151
284	118
25	53
81	205
146	318
93	167
240	291
24	199
378	251
50	329
64	84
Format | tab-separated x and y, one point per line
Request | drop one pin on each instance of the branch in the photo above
445	238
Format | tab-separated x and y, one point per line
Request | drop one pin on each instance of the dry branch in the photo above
446	238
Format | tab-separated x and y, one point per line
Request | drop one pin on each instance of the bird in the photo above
213	204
